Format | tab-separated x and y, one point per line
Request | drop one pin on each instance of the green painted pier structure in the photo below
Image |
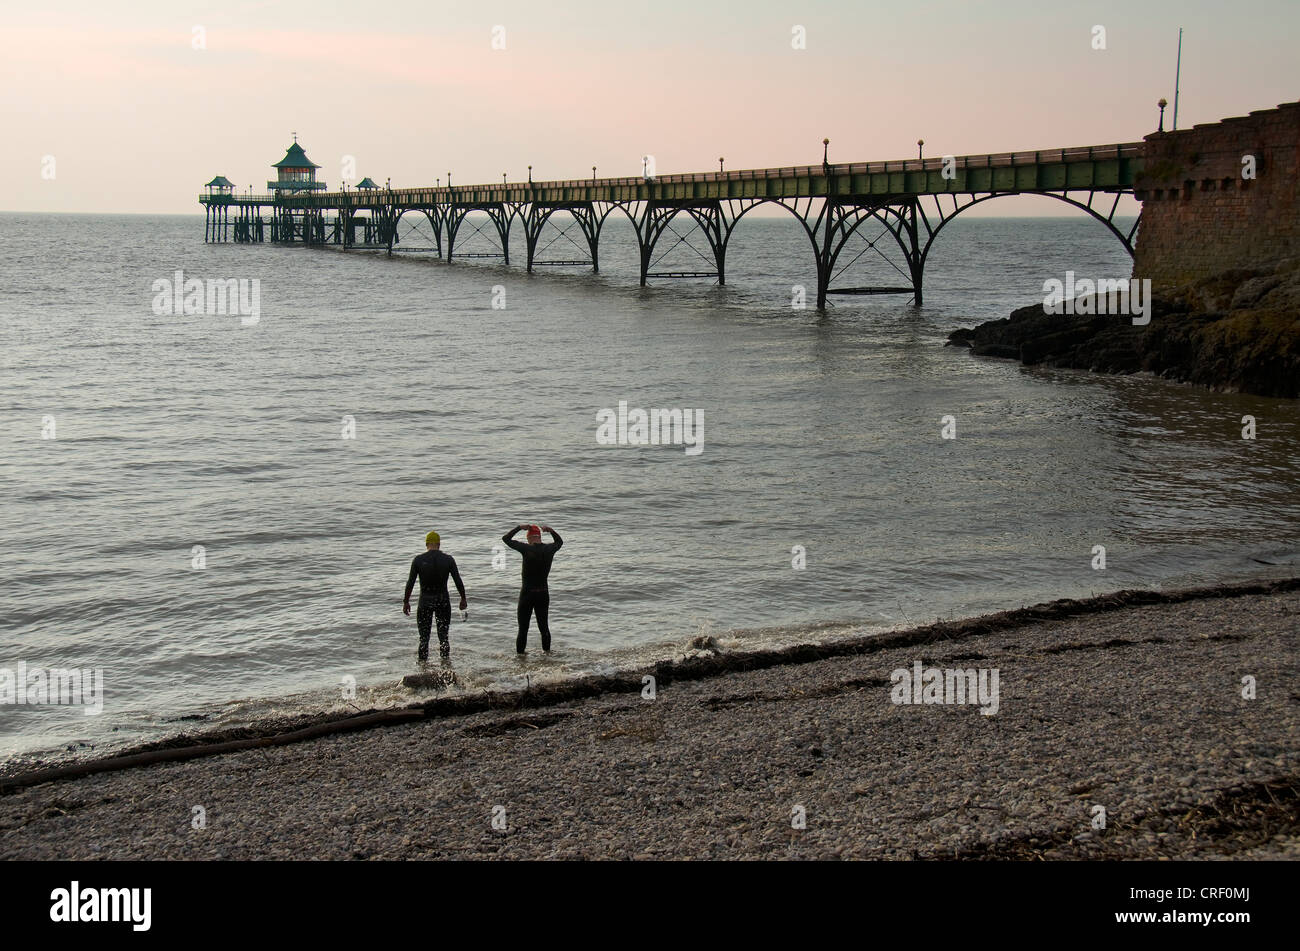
910	200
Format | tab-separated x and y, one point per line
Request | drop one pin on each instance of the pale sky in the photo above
137	119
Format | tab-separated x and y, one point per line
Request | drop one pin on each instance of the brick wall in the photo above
1200	216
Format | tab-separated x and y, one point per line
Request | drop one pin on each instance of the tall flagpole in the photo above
1177	72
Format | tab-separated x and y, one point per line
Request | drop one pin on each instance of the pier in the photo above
912	200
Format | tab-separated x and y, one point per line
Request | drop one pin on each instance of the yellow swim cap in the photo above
432	538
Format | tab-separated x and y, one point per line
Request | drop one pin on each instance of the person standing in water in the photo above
433	568
534	596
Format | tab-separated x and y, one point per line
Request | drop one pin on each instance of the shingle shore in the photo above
1137	710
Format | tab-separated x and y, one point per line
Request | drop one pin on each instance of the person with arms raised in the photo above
535	595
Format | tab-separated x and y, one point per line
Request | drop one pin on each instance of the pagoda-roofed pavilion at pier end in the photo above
295	172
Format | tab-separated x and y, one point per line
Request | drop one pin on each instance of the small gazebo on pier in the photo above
220	187
295	172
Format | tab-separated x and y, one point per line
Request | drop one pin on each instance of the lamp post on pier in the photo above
920	149
719	164
826	165
1162	103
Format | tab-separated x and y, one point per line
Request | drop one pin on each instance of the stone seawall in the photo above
1219	196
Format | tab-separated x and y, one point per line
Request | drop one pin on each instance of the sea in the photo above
216	512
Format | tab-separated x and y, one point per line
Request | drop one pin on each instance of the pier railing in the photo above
445	193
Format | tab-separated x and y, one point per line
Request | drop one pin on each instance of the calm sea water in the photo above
821	430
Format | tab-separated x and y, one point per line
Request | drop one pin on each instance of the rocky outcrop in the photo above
1237	331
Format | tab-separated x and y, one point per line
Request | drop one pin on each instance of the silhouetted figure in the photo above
534	596
433	569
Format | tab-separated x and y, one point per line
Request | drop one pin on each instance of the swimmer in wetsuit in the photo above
433	568
534	596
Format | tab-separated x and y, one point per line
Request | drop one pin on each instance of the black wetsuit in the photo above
534	596
433	569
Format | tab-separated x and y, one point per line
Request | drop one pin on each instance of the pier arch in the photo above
498	217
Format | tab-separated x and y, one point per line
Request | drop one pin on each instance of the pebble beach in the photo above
1121	732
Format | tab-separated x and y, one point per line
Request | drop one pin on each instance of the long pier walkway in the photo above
912	199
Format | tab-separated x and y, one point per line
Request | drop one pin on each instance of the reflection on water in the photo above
822	433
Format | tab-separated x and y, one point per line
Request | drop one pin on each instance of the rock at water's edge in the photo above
1236	331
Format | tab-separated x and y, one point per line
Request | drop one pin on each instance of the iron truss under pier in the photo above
909	201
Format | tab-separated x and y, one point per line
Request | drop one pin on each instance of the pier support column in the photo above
435	225
532	229
645	238
454	217
592	230
826	251
646	244
502	220
915	260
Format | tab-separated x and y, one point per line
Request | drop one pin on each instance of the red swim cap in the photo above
534	530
